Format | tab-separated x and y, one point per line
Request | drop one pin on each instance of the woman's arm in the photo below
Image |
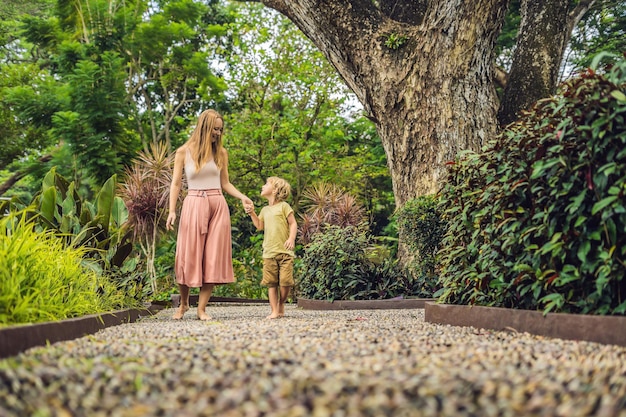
177	181
227	186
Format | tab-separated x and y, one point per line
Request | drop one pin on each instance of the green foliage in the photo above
537	220
98	228
93	127
42	279
601	30
304	128
80	223
337	265
422	228
395	41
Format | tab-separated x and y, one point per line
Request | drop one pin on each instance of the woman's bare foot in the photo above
273	316
203	316
180	313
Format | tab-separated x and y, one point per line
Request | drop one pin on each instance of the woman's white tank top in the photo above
206	178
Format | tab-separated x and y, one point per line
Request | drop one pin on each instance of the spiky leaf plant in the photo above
145	190
326	204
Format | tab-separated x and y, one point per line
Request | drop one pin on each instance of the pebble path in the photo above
312	363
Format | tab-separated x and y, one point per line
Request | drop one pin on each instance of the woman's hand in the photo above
169	224
247	204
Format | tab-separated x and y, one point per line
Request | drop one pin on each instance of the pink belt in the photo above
205	193
205	215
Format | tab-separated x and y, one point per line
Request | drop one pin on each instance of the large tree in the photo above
424	70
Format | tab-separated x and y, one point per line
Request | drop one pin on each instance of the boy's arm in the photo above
290	244
258	223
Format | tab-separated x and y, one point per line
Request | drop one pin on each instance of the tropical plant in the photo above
97	227
42	279
536	220
326	204
145	190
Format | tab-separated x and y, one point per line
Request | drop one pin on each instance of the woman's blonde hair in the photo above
200	145
281	187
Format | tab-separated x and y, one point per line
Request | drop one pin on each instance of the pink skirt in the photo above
204	248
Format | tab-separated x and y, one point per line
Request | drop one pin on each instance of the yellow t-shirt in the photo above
276	229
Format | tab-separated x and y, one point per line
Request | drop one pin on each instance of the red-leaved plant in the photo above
326	204
145	191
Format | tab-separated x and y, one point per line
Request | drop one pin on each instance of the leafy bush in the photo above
41	279
99	228
422	227
337	266
537	220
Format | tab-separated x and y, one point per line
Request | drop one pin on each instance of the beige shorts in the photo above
278	271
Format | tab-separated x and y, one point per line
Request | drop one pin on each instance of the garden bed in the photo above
393	303
18	338
601	329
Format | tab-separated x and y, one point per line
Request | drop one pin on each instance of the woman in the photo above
203	247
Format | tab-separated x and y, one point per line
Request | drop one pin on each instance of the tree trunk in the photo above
537	57
422	71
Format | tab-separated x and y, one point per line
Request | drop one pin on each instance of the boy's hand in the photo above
290	244
249	208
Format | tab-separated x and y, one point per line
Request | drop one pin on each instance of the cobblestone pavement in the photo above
312	363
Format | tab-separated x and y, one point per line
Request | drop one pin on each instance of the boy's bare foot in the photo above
180	313
273	316
204	316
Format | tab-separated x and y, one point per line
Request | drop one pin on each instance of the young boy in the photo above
279	239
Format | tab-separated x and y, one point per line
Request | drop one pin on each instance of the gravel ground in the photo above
312	363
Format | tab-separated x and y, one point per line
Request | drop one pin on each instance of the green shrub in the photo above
538	219
338	265
42	280
422	227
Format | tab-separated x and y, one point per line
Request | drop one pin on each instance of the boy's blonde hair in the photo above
281	187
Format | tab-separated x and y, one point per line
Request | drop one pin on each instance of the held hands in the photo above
248	205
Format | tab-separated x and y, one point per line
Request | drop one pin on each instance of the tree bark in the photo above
423	70
537	57
432	95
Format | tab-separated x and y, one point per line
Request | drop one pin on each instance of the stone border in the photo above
389	304
193	300
16	339
609	330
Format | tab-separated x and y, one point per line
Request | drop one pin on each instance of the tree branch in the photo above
18	175
577	13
